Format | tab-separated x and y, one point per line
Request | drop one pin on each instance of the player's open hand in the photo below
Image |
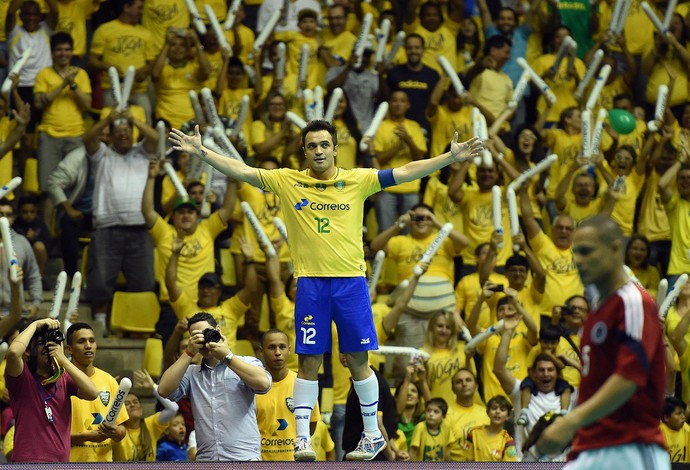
464	151
186	143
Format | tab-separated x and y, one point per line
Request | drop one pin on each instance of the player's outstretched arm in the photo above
615	392
228	166
459	152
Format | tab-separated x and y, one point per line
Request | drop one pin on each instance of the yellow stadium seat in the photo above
244	347
135	312
153	357
30	182
326	400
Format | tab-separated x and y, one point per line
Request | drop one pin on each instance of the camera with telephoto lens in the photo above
211	335
52	335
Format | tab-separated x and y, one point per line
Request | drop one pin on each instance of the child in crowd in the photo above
430	439
34	229
172	446
675	430
492	443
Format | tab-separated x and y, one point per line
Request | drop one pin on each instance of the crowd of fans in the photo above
97	163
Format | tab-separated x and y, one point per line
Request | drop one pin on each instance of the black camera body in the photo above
52	335
211	335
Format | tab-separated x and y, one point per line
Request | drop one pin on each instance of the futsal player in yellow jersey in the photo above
325	228
275	409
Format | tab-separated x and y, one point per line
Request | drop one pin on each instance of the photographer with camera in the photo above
221	390
41	381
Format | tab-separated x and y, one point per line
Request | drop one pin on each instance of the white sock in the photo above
306	392
368	394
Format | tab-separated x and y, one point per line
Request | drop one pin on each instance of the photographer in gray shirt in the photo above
222	390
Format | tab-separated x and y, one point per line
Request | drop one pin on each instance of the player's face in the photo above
464	384
497	414
562	232
320	153
133	406
275	350
592	258
83	347
545	375
434	415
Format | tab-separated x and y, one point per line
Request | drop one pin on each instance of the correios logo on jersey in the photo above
320	206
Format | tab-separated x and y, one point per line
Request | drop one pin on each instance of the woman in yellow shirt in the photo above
273	134
637	259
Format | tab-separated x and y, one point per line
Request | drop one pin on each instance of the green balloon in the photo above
621	121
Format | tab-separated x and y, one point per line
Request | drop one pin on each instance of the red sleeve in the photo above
638	334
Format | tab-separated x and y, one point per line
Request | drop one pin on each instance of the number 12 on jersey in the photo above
322	224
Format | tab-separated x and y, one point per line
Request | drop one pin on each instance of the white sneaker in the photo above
304	452
367	449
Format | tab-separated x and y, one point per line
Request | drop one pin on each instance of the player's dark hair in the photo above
501	401
320	125
272	331
607	229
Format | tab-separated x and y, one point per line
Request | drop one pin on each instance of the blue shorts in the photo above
344	300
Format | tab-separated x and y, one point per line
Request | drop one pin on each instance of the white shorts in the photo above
629	456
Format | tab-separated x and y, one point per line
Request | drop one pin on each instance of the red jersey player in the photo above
616	421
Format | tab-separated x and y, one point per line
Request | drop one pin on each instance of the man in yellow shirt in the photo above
63	93
464	413
491	87
677	206
197	256
275	410
556	256
92	439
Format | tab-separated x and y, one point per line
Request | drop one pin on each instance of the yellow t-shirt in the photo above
653	221
445	123
569	374
677	442
72	18
215	60
122	45
129	449
467	292
677	210
340	46
462	420
229	314
266	206
659	76
476	207
275	416
87	416
440	369
484	447
624	209
284	311
219	7
294	41
259	134
562	278
62	117
561	85
347	146
493	89
229	105
649	278
567	147
432	447
6	164
639	31
578	212
159	15
386	139
196	257
321	441
138	113
445	210
406	251
610	91
246	40
439	42
517	362
326	216
172	92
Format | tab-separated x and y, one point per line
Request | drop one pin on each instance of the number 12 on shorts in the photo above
308	335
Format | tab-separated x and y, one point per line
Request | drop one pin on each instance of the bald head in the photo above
607	229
